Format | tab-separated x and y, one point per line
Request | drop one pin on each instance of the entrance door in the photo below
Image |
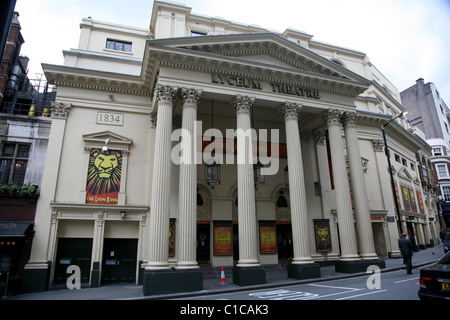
119	260
284	241
73	251
378	236
203	242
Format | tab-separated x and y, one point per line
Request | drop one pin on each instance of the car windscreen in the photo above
445	259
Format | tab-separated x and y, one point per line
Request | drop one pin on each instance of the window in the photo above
404	162
397	158
13	165
437	151
442	171
446	192
118	45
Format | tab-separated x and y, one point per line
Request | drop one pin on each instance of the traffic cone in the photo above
223	282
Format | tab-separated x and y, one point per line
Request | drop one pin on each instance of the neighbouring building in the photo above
24	133
150	176
428	112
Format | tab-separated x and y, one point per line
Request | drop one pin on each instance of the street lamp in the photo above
386	151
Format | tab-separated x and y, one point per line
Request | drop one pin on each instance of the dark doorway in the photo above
73	251
119	260
203	242
412	235
284	241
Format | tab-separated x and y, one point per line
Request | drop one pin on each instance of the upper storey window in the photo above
118	45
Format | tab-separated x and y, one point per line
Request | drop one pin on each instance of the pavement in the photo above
274	278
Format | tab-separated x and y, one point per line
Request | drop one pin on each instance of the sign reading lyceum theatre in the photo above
239	81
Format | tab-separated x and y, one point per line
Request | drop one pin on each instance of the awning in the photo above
14	228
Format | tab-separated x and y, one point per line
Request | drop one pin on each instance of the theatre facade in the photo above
238	148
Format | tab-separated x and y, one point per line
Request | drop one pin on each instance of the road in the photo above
394	285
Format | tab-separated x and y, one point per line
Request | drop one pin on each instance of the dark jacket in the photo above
405	246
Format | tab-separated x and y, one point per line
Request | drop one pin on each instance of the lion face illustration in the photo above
322	233
105	164
104	172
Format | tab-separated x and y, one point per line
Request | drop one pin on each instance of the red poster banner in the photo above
419	196
223	240
268	239
406	199
230	146
103	180
412	197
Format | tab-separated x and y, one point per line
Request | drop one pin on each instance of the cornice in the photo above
74	207
157	56
95	80
393	130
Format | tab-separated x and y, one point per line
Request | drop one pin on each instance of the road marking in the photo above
333	287
362	294
283	294
399	281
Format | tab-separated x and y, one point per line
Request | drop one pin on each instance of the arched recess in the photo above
284	227
203	224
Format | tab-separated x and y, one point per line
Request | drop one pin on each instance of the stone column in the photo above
297	192
187	220
248	248
359	192
302	266
349	250
159	210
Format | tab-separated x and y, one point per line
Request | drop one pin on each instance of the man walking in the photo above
406	249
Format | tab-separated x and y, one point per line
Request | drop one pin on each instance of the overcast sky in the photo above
404	39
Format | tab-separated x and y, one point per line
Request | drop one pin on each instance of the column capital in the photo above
378	145
243	103
153	120
60	110
319	137
332	117
290	110
349	118
165	93
190	97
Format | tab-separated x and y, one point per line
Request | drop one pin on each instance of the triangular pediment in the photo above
403	173
256	54
114	140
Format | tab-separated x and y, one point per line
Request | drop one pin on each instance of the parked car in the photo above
435	280
447	242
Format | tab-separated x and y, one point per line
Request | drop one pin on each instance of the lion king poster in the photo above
322	235
103	180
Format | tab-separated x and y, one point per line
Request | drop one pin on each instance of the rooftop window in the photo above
118	45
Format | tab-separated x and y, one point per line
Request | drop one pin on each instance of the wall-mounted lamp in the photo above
122	214
105	147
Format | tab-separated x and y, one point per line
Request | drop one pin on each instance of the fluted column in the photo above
248	247
347	235
299	212
159	211
187	220
360	200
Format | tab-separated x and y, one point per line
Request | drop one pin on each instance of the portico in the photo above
244	95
